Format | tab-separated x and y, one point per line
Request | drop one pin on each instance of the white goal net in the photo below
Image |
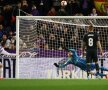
42	41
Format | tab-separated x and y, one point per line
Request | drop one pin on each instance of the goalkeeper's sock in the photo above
88	77
100	74
104	69
88	69
97	67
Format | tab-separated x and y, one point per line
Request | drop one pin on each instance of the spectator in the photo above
25	7
43	6
1	31
10	35
62	12
1	17
13	42
94	13
45	31
34	11
56	30
73	7
6	42
4	30
17	10
107	10
52	12
20	43
7	29
86	6
66	36
24	46
2	3
7	13
40	41
52	42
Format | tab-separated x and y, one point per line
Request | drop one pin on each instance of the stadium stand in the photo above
9	9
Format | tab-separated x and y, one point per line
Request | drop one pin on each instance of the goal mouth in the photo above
42	40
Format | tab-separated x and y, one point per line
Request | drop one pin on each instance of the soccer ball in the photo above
63	3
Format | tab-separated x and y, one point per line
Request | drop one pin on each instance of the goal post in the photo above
17	47
42	39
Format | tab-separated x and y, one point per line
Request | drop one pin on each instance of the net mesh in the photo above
54	34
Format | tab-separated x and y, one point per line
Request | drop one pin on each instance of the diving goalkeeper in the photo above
74	59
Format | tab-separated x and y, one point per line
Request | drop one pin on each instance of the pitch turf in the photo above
63	84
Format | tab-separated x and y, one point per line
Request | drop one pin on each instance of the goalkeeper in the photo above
74	59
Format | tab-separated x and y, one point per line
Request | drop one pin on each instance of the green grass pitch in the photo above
48	84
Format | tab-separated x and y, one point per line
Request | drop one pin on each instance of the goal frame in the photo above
45	17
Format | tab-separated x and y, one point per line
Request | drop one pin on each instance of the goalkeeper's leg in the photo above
103	68
88	70
98	74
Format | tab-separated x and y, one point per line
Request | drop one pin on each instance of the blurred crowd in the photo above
57	36
48	7
9	9
52	35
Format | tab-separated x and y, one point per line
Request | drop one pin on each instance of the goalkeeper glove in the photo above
55	64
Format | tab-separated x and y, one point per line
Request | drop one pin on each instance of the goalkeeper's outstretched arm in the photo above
62	65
